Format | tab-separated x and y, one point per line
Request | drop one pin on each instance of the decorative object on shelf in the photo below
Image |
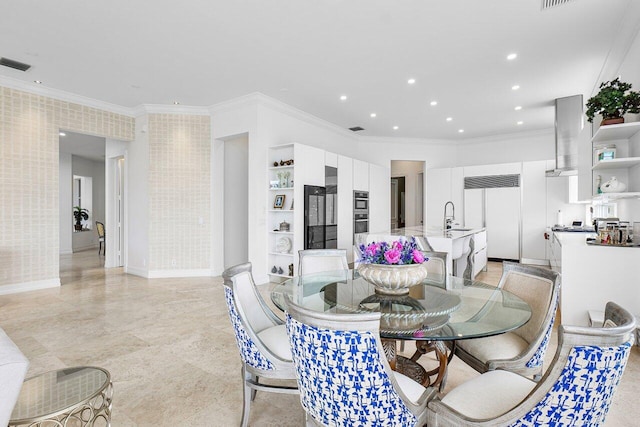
274	270
599	184
291	270
614	100
275	164
280	270
291	208
278	202
274	183
284	179
286	162
613	186
605	152
80	214
284	226
283	245
392	268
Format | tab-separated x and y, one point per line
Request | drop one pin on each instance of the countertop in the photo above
429	232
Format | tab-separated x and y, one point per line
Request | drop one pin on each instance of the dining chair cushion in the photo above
411	389
276	340
505	346
489	395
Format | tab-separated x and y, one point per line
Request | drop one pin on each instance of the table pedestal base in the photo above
441	353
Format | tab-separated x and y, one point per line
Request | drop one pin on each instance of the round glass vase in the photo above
393	279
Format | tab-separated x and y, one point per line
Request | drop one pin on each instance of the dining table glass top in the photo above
441	308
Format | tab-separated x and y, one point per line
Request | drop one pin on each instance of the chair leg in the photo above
247	394
253	390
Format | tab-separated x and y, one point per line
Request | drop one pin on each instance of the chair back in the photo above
436	264
13	368
100	228
540	288
341	369
321	260
589	362
249	315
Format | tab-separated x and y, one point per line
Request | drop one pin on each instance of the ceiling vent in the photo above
14	64
548	4
356	129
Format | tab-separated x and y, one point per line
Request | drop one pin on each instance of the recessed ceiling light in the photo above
512	56
433	103
395	128
373	114
62	134
38	81
460	130
518	108
176	102
411	81
449	119
343	97
519	123
515	87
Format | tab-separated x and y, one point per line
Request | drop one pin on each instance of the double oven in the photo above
360	212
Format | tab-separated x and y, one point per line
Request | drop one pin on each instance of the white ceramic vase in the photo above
393	279
613	186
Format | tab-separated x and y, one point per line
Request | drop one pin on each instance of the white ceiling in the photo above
307	53
90	147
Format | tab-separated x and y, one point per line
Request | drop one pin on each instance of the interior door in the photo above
503	222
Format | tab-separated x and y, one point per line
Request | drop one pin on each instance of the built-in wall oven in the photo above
360	213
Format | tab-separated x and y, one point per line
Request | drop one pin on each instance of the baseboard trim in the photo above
142	272
163	274
29	286
532	261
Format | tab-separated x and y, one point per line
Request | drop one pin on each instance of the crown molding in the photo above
508	136
38	89
143	109
260	99
405	140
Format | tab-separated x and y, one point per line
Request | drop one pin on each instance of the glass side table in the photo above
79	396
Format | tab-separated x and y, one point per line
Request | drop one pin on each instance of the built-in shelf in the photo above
281	232
616	132
281	188
281	167
280	254
281	210
604	197
619	163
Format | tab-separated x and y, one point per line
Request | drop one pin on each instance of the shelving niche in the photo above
626	164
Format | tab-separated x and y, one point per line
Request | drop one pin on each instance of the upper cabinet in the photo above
616	153
360	175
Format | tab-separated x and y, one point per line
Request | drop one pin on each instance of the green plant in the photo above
613	101
80	214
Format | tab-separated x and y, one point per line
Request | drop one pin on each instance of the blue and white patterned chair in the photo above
576	390
523	349
261	337
343	375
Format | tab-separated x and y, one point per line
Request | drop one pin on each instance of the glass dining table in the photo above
434	314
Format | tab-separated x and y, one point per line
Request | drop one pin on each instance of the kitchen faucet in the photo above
448	220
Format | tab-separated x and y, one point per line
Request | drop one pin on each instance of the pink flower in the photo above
372	249
418	258
397	245
392	256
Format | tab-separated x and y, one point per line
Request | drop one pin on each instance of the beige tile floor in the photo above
170	349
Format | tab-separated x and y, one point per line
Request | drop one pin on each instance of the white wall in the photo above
236	201
115	149
66	204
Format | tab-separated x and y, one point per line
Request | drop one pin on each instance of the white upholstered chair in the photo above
576	390
343	374
523	349
13	368
261	338
321	260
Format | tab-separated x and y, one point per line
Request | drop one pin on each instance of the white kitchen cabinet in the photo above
534	211
360	175
331	159
345	204
479	252
443	185
379	200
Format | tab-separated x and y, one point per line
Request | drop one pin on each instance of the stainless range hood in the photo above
569	124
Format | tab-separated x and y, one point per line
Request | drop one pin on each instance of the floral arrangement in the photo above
395	253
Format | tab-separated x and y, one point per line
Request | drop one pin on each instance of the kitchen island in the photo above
593	275
465	247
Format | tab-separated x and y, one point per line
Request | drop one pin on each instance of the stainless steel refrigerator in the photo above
320	214
493	202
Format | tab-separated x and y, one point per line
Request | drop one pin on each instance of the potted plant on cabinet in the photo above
80	214
613	101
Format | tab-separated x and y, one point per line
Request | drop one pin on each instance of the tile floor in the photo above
170	349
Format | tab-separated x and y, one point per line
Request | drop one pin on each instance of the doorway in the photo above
397	202
407	193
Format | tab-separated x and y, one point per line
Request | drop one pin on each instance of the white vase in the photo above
393	279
